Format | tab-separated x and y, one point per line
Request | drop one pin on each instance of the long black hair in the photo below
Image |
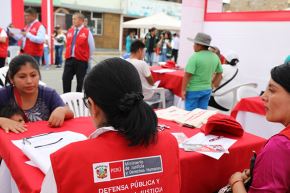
115	86
19	61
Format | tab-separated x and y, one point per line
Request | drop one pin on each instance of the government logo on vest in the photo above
101	171
83	35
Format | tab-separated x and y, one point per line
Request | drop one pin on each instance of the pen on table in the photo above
215	138
49	143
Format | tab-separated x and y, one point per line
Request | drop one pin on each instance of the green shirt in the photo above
202	65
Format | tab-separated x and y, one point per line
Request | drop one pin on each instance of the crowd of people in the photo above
116	92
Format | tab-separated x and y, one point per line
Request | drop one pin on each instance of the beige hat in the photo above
201	38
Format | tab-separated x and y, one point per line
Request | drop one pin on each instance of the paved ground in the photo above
53	76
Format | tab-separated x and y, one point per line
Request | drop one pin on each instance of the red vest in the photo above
81	49
31	48
3	47
108	164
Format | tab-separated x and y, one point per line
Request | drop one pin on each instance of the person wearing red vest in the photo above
3	47
126	153
272	171
32	36
80	47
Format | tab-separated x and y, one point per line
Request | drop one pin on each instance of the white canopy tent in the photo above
161	21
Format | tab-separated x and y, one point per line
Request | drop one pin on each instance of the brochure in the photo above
211	145
195	118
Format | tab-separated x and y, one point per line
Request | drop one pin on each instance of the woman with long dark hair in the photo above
125	150
37	102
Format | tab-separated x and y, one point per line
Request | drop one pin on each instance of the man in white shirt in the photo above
80	47
136	58
175	46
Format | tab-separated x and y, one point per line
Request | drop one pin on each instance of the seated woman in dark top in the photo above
37	102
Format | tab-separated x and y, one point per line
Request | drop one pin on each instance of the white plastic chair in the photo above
14	51
246	91
3	72
162	100
75	102
238	92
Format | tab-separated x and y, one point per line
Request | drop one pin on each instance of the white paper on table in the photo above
162	71
180	137
195	118
50	143
171	113
15	31
201	138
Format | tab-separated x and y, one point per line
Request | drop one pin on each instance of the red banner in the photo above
47	19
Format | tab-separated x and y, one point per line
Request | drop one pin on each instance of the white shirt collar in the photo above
100	131
79	28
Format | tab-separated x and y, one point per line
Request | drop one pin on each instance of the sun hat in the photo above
201	38
231	55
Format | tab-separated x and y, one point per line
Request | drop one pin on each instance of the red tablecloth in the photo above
251	104
170	80
28	178
199	173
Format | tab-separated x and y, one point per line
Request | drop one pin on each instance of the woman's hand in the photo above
238	176
57	116
11	125
237	181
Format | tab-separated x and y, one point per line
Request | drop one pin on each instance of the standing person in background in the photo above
13	48
86	22
129	39
217	51
46	51
165	46
202	72
79	52
175	47
33	35
59	41
12	40
3	47
151	41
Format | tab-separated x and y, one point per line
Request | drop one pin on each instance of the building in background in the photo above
105	17
255	5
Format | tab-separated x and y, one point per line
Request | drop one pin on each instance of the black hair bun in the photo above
129	101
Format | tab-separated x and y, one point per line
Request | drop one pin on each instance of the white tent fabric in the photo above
161	21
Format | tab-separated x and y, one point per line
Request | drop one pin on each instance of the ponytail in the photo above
115	87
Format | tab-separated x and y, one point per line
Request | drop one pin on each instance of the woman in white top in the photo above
229	79
59	41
